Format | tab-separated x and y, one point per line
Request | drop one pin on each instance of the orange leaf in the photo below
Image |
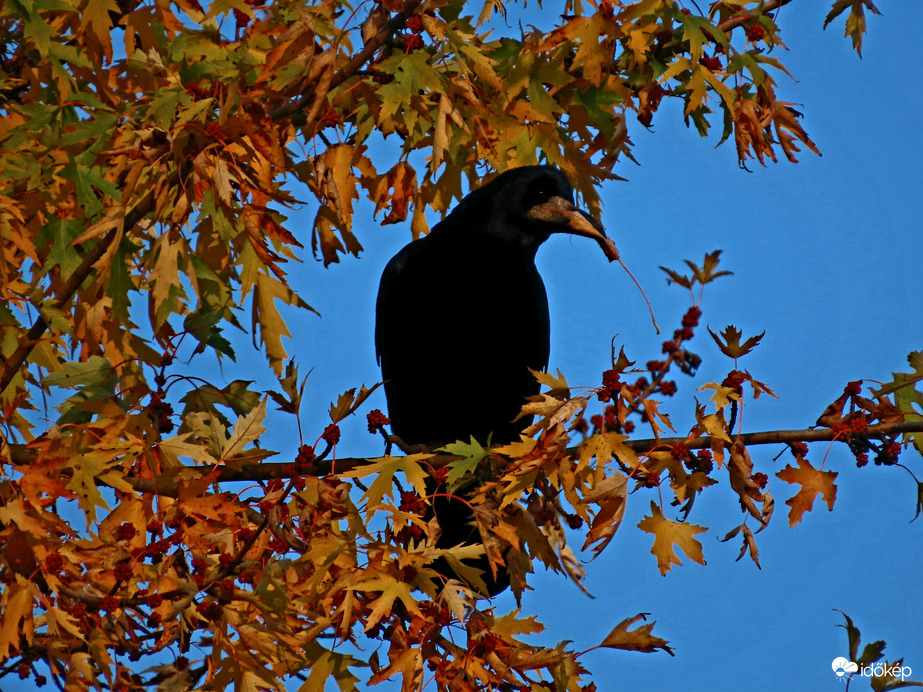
638	639
812	482
668	533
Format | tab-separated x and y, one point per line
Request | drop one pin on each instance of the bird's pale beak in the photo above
570	219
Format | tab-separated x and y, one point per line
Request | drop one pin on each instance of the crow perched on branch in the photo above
462	316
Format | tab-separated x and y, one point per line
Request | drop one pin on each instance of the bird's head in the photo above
524	206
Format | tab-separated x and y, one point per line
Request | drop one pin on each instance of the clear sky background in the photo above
826	260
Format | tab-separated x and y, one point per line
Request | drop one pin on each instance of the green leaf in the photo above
75	374
472	452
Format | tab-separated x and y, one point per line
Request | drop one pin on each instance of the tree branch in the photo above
740	19
395	24
12	365
21	455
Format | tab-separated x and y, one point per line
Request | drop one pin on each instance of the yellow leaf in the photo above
265	313
391	590
247	429
668	533
17	606
384	470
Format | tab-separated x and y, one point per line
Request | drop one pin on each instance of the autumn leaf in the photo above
611	495
729	342
813	482
384	470
638	639
669	533
749	543
855	22
702	275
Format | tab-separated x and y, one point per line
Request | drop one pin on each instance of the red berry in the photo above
679	451
756	33
331	118
53	563
305	455
122	572
414	41
712	63
377	420
415	24
331	434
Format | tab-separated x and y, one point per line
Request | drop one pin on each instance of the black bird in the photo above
462	315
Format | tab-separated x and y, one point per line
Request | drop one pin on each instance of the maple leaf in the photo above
247	429
722	397
638	639
855	22
668	533
813	482
384	470
472	452
729	342
390	590
557	384
272	327
603	445
703	275
349	402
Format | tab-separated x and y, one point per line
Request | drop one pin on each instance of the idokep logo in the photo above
844	668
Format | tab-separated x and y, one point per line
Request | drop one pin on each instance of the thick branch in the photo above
21	455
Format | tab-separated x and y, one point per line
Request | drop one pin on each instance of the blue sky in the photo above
825	260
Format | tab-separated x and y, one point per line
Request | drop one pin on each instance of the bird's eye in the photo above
539	192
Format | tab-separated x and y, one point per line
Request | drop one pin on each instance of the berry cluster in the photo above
125	532
735	381
413	36
414	42
377	420
411	503
756	33
214	132
160	412
304	459
415	24
331	118
886	452
331	434
712	62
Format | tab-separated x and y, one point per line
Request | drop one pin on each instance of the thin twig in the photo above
740	19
